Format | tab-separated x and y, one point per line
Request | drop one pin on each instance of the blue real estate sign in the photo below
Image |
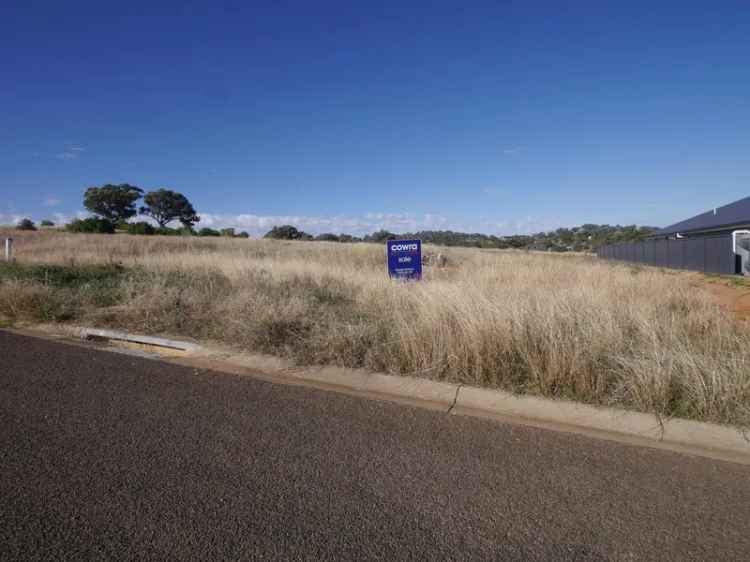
404	259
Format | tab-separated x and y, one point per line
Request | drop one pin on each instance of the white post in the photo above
8	249
739	249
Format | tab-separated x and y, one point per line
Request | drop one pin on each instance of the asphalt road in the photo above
110	457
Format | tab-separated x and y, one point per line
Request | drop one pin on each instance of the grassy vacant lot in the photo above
553	325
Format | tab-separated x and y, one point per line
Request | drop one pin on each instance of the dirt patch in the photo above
730	294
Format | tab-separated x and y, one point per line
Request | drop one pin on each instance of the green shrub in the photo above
143	227
26	224
47	222
208	232
140	228
58	293
166	231
91	225
59	276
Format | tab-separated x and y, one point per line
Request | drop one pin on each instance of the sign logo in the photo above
404	259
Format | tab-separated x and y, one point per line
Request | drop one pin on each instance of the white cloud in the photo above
11	218
64	218
71	153
524	225
58	218
52	201
257	225
510	151
67	155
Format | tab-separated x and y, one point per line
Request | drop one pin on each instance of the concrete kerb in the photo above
423	392
415	390
697	438
691	437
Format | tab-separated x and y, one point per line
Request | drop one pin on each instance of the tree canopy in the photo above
115	203
26	224
287	232
165	206
328	237
381	236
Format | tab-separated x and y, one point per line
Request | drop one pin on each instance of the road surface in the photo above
112	457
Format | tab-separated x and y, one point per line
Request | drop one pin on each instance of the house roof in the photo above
734	215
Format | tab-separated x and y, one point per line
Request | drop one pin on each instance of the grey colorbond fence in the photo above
710	254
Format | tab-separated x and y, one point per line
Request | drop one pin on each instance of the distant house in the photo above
717	241
721	220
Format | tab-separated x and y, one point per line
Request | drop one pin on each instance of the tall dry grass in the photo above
552	325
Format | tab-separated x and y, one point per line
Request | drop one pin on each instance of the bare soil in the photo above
731	294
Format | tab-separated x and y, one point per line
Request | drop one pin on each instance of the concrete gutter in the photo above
636	428
685	436
422	393
646	430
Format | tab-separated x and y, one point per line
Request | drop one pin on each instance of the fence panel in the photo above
660	253
649	247
675	253
711	254
695	254
719	255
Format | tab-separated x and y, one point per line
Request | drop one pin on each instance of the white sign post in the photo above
8	249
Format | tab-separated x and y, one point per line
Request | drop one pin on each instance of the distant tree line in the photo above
579	239
114	207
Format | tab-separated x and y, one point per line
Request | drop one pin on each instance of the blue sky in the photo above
498	117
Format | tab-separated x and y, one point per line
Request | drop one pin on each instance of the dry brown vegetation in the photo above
553	325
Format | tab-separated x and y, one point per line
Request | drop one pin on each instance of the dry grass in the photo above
551	325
